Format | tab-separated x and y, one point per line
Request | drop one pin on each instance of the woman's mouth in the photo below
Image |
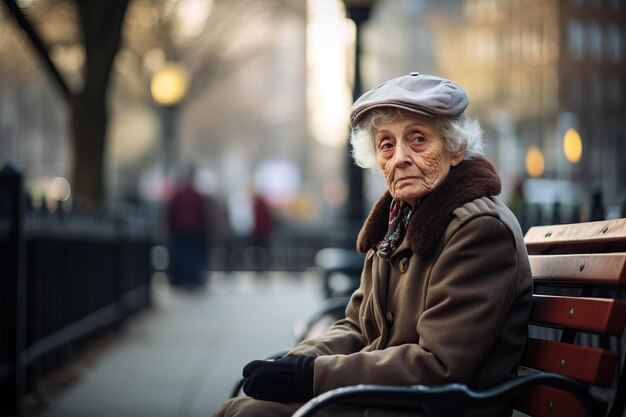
405	179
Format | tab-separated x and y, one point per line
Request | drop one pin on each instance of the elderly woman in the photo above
446	287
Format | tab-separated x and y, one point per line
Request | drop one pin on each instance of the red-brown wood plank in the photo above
540	239
551	402
586	364
598	268
599	315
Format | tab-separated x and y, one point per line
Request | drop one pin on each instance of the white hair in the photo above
455	131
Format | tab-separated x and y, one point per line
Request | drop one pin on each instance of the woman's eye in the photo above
418	139
385	145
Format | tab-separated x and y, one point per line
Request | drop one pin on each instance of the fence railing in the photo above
62	278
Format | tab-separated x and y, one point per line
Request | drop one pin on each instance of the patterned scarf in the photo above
399	215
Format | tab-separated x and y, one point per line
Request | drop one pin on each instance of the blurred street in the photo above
181	357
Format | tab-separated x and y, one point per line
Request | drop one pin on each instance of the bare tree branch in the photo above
219	50
40	47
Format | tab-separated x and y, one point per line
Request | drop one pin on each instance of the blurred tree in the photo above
213	40
100	26
79	41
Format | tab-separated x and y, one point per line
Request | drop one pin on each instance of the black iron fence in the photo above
63	277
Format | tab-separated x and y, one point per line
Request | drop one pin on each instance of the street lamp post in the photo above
168	87
358	11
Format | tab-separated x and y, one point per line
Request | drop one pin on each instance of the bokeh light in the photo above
535	163
278	181
572	146
60	189
335	192
169	84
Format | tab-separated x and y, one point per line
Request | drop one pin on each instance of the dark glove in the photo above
287	379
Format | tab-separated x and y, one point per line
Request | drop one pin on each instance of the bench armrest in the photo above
445	400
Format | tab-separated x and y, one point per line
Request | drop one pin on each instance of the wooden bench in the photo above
574	360
578	272
573	364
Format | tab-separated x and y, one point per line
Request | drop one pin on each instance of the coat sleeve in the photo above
471	290
343	337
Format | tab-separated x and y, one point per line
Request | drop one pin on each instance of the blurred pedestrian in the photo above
597	206
446	287
260	237
187	221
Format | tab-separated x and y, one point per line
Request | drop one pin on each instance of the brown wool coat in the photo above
450	305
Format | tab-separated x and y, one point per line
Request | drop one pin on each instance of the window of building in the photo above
550	88
549	43
529	43
595	41
576	90
538	42
486	46
503	42
614	91
576	39
595	87
516	44
614	43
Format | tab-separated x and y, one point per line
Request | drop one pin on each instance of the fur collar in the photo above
468	181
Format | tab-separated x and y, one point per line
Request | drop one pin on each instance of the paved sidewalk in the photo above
181	357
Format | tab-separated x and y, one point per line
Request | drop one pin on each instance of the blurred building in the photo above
535	69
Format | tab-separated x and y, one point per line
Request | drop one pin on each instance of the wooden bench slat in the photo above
597	315
591	365
540	239
551	402
598	268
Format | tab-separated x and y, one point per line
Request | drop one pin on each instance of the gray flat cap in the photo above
418	93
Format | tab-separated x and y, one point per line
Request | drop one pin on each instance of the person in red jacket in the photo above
188	238
261	233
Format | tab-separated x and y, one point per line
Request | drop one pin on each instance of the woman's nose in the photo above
402	155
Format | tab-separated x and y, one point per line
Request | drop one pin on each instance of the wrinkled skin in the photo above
413	157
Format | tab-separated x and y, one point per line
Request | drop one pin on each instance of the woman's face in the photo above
412	156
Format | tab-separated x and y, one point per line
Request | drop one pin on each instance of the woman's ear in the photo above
457	157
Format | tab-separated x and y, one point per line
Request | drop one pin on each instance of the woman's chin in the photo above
407	193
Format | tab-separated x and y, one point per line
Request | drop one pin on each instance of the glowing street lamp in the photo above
572	146
169	84
168	88
535	163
